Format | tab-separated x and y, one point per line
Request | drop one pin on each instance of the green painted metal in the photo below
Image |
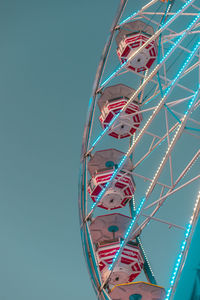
196	289
110	164
113	228
189	283
135	297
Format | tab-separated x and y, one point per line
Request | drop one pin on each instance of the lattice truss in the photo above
146	105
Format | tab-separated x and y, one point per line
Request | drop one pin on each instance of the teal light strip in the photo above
165	95
144	199
164	58
162	27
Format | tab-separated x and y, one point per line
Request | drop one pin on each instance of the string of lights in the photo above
131	226
156	34
146	80
149	121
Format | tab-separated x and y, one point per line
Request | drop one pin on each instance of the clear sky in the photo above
48	57
49	52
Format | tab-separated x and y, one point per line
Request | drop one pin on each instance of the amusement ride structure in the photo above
139	182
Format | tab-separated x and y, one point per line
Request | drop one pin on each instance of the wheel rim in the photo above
156	145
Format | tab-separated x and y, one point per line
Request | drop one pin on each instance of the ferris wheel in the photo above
139	182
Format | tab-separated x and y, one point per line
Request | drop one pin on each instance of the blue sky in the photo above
48	59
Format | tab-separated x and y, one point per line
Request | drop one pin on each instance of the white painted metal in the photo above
153	83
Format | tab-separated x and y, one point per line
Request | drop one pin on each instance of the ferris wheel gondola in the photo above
150	106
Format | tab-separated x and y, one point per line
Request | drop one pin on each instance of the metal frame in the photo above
163	87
